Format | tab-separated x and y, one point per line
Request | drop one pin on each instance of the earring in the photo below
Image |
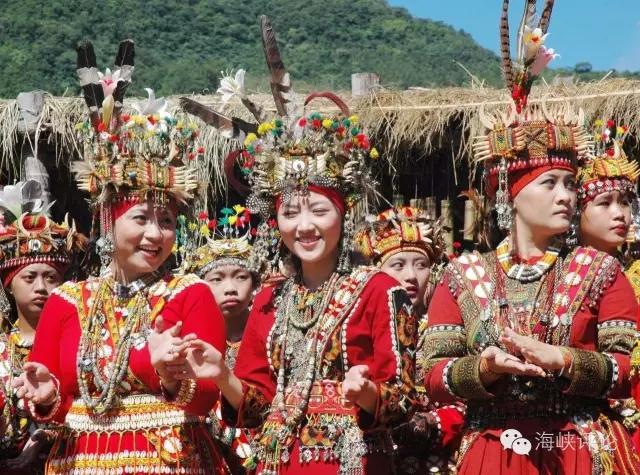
346	246
504	208
105	251
572	237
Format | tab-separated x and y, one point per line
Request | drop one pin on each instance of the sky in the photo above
605	33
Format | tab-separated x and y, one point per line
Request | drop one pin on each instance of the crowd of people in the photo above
304	331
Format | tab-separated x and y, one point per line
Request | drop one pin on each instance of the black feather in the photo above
217	120
88	75
123	62
276	67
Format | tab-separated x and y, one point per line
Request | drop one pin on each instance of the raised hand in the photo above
36	384
164	348
359	389
202	360
543	355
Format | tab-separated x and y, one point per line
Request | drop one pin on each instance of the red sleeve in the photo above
390	325
444	317
252	366
617	313
196	307
58	325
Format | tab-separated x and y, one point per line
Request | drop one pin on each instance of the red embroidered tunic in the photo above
142	433
376	328
589	307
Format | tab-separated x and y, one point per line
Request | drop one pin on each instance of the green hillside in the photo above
183	45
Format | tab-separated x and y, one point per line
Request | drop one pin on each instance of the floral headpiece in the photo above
527	137
609	169
207	243
397	230
292	152
130	157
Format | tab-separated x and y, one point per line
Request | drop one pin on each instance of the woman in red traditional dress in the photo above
91	368
327	358
407	244
35	253
534	340
218	251
607	190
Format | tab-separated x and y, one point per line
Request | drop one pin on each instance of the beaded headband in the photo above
610	169
209	243
397	230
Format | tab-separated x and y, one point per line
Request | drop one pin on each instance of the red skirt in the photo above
546	449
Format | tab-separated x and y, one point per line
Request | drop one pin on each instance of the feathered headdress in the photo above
292	150
27	233
397	230
147	153
609	169
128	158
526	137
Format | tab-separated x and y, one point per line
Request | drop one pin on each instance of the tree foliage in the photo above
182	45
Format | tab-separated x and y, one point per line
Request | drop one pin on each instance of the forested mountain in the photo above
182	45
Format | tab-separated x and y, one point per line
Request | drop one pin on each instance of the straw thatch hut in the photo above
424	135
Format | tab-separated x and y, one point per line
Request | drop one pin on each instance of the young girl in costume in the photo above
35	253
407	244
221	257
607	190
327	358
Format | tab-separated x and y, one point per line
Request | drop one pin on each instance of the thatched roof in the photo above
414	118
421	117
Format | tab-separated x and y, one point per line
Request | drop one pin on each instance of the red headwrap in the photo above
11	272
334	196
518	179
121	206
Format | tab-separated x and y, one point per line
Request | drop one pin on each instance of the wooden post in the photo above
447	222
363	83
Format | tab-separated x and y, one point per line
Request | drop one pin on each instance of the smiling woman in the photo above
91	369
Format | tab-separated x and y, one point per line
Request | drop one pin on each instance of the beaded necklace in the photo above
127	332
525	272
17	349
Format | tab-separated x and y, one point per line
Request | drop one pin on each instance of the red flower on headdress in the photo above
203	216
610	124
201	150
302	122
212	224
151	119
316	123
102	127
125	117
